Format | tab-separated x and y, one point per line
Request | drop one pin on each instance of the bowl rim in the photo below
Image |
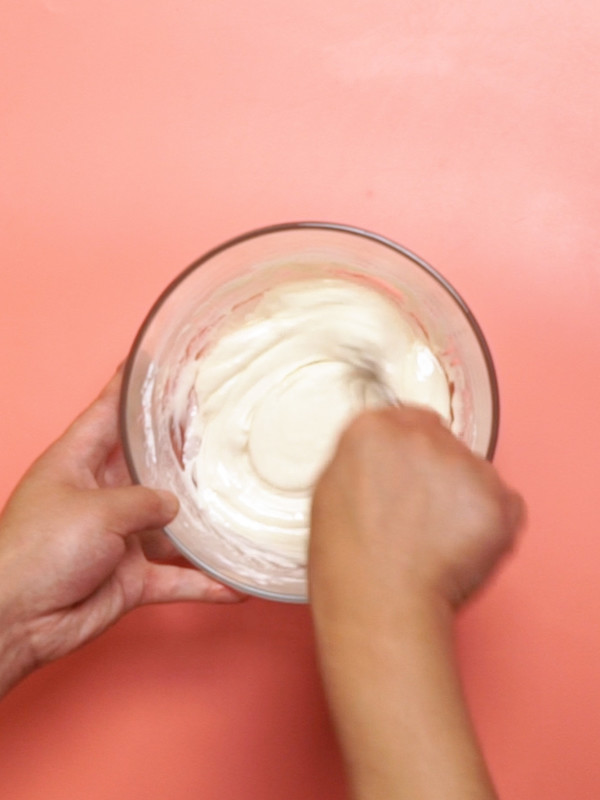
266	231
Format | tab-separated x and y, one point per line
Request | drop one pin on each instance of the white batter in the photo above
263	406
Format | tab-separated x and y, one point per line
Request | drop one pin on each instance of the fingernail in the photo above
169	501
225	594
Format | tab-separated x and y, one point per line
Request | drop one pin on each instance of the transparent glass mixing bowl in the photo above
207	291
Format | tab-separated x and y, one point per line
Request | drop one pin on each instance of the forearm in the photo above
398	707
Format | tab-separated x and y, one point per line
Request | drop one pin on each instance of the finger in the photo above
132	509
114	471
157	546
170	584
90	438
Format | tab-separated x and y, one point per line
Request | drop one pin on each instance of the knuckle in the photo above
491	517
360	434
422	416
367	423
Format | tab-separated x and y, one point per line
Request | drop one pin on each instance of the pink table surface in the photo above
133	137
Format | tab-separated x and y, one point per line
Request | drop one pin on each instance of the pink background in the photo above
135	136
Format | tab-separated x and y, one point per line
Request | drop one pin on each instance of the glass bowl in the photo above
222	281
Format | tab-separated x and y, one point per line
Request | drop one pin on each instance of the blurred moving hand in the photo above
406	524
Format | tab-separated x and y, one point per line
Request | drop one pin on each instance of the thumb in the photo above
131	509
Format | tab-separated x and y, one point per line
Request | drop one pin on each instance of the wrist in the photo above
394	692
377	638
349	612
15	660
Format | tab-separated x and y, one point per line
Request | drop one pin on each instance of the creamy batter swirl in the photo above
262	407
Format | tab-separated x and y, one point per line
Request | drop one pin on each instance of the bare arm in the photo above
407	523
